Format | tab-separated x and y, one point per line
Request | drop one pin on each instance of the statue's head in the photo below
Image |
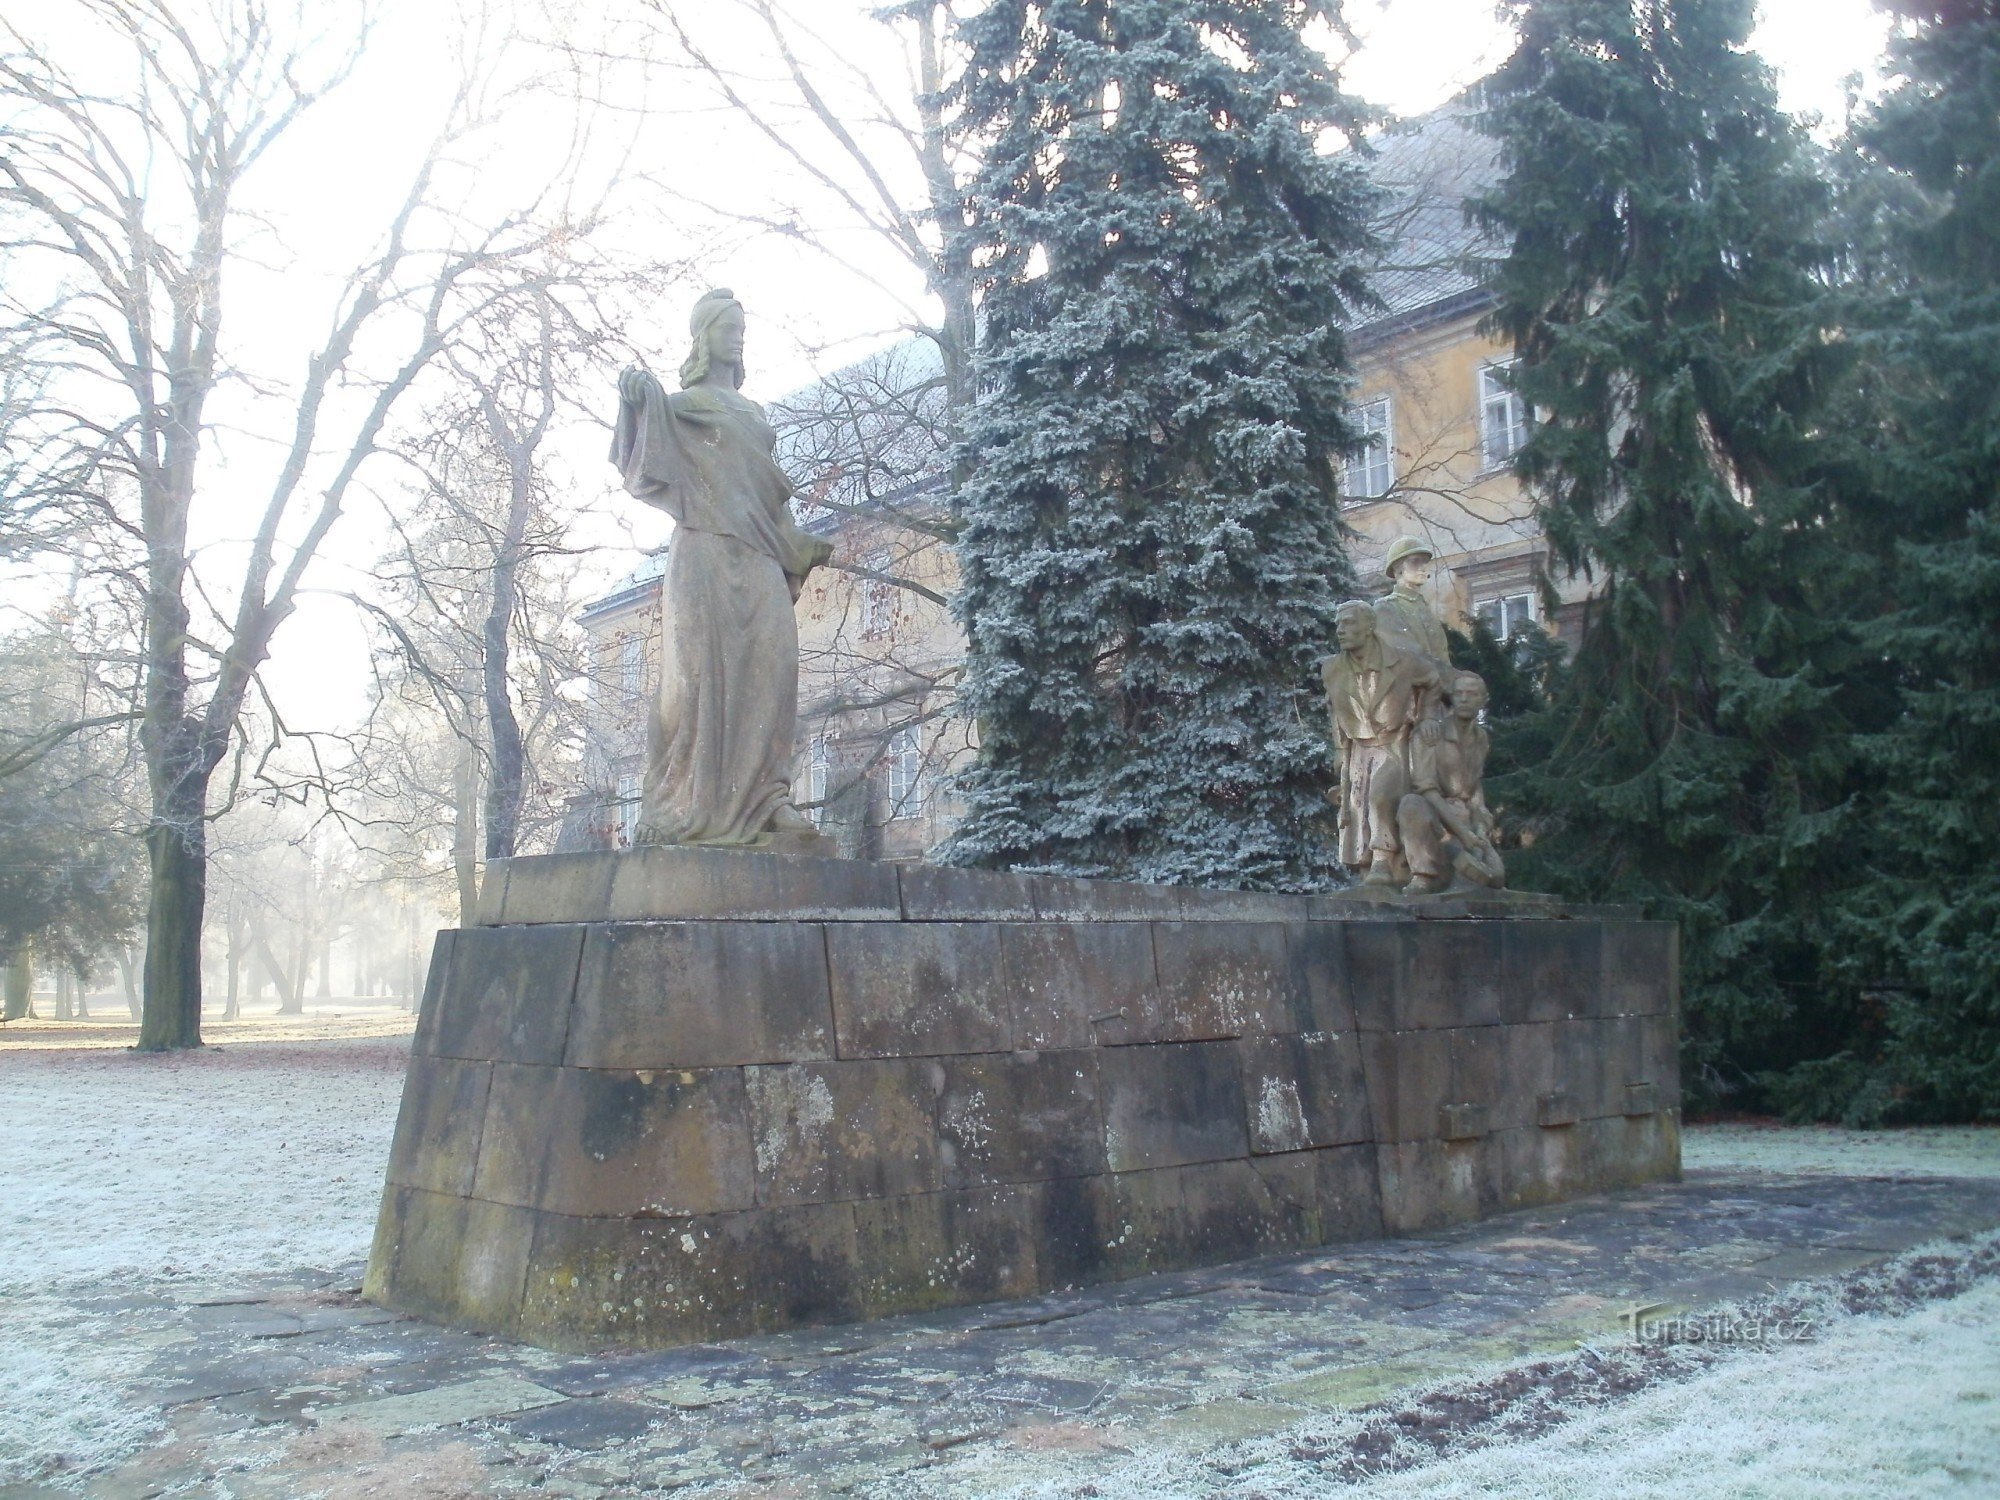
1468	694
1354	624
1409	562
717	327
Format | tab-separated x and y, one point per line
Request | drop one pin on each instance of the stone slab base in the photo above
775	1091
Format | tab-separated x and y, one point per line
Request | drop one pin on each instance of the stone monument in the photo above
1378	694
1403	616
719	746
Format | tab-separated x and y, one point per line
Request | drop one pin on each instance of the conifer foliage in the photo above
1150	545
1927	923
1663	219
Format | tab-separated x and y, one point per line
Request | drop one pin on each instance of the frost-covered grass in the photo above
124	1174
1899	1402
1949	1151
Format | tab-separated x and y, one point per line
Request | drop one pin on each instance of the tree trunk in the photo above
288	987
20	994
325	990
128	979
232	1005
503	792
65	1009
177	850
82	993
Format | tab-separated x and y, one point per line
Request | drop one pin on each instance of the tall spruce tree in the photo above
1663	292
1929	922
1151	552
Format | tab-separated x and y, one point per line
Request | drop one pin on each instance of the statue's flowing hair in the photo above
711	307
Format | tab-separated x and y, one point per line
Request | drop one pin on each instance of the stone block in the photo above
1620	1046
1479	1073
1557	1109
1428	1184
1349	1188
1320	991
1551	970
1411	976
487	906
1201	905
1660	1055
1408	1080
437	1128
1640	1099
1170	1104
838	1131
702	995
1462	1122
917	989
808	1267
1146	1224
454	1260
617	1143
1216	980
1624	1151
1237	1209
506	994
1454	975
1304	1091
1539	1165
1019	1117
939	893
943	1249
743	885
1065	980
555	888
1060	899
431	1007
1077	1226
597	1282
1641	968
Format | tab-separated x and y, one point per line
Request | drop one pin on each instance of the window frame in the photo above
1364	457
1491	377
905	760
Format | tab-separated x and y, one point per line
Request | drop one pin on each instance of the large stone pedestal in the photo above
677	1095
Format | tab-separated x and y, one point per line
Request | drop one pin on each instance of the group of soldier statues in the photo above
1412	750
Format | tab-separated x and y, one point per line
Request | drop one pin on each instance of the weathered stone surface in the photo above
1019	1117
671	1144
1550	970
1171	1104
1058	899
1408	1080
1216	980
1305	1091
1321	991
437	1129
702	994
939	893
652	1132
430	1009
842	1130
942	1249
1641	969
551	888
918	989
507	995
1067	980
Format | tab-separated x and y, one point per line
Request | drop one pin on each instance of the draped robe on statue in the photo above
719	750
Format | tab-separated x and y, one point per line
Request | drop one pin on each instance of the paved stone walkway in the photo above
292	1389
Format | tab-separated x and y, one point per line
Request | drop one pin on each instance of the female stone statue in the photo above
719	750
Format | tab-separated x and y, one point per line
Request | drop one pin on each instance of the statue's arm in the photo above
635	385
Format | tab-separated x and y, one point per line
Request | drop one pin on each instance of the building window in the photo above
906	765
1371	467
819	758
1505	617
1503	417
628	810
878	597
631	665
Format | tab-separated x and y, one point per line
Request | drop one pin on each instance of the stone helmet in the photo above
1402	547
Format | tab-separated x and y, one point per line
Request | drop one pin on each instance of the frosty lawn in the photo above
136	1190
